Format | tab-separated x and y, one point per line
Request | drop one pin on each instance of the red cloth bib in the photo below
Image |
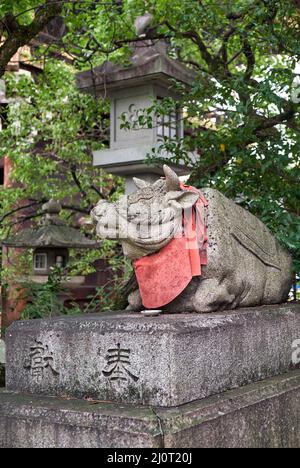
164	275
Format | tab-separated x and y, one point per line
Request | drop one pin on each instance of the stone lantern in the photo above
51	241
3	104
131	90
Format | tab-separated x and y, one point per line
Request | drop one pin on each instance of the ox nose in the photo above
99	210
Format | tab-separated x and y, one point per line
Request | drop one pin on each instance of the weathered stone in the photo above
261	415
149	63
246	264
45	422
162	361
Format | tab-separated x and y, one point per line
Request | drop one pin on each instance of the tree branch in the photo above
250	57
20	208
195	37
18	35
278	119
93	187
78	184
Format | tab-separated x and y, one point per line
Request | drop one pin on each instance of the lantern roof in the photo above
149	63
52	232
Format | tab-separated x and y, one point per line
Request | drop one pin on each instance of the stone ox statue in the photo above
242	263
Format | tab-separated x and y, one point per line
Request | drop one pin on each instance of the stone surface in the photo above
163	361
149	63
261	415
33	422
130	186
132	90
129	147
130	161
246	264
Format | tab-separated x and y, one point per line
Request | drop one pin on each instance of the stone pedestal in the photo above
261	415
185	380
163	361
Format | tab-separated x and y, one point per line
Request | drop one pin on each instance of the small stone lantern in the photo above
3	104
51	241
131	90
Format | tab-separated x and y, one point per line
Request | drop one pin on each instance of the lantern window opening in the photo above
168	125
40	262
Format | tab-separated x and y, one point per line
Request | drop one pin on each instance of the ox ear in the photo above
172	179
184	199
140	183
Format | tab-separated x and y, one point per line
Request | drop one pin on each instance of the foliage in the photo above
44	300
242	112
51	133
113	295
49	140
21	22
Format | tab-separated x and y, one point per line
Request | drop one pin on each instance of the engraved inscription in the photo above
118	365
39	360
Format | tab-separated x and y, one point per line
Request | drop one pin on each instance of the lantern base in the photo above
131	162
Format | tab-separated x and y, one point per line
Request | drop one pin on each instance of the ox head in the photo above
148	219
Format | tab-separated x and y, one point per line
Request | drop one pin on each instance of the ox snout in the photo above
99	211
104	215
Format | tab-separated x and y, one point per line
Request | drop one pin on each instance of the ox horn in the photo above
172	179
